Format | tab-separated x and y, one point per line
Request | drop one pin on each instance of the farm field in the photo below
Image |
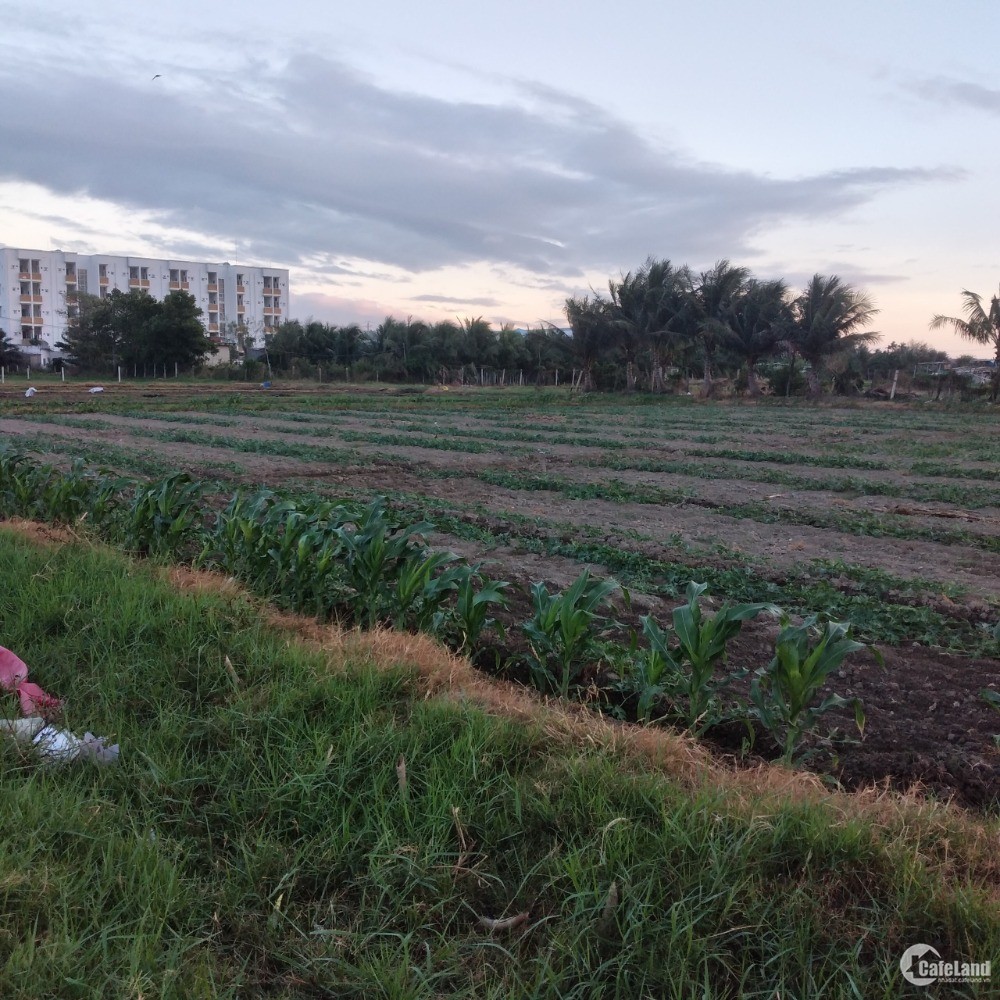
887	516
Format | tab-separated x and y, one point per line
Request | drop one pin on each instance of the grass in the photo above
257	840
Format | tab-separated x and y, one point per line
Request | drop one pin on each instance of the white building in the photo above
38	289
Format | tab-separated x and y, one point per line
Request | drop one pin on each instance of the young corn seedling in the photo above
372	548
161	516
685	674
424	583
17	483
560	632
783	693
464	623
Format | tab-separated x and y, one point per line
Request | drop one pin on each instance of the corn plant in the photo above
424	582
783	693
17	491
685	673
560	633
237	541
62	496
371	549
464	623
160	518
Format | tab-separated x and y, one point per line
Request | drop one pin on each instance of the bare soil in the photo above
926	724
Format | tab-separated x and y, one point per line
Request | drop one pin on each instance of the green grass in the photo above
255	840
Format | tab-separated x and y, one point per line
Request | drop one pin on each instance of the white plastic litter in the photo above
96	388
59	746
56	745
30	392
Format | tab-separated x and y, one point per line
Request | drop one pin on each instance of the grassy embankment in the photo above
258	838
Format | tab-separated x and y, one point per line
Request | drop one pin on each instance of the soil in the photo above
925	726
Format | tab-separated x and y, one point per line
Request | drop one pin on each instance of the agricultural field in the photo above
886	516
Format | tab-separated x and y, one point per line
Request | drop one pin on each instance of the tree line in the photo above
655	328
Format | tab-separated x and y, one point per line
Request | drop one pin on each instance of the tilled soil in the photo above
925	722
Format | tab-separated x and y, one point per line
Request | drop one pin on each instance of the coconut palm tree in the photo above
589	320
647	309
829	317
760	322
980	325
715	299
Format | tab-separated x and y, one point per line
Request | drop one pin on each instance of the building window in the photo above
133	274
213	277
35	268
23	265
36	288
184	276
102	270
70	270
25	287
104	291
82	281
239	279
144	273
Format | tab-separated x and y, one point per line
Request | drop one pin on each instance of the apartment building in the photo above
39	289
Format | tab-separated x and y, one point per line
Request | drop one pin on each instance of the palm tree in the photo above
589	320
759	323
979	325
715	300
648	309
829	317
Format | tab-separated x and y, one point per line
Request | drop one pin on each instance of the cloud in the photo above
456	300
949	91
313	165
340	310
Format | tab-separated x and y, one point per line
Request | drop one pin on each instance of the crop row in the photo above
363	565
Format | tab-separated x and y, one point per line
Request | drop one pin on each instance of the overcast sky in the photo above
489	159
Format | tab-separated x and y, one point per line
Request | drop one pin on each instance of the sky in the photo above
452	159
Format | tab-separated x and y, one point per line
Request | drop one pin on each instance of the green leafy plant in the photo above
161	517
783	693
467	619
560	633
17	489
685	674
372	548
424	582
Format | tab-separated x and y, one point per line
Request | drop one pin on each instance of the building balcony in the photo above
29	276
213	287
70	279
213	327
174	285
240	289
31	298
104	280
268	310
